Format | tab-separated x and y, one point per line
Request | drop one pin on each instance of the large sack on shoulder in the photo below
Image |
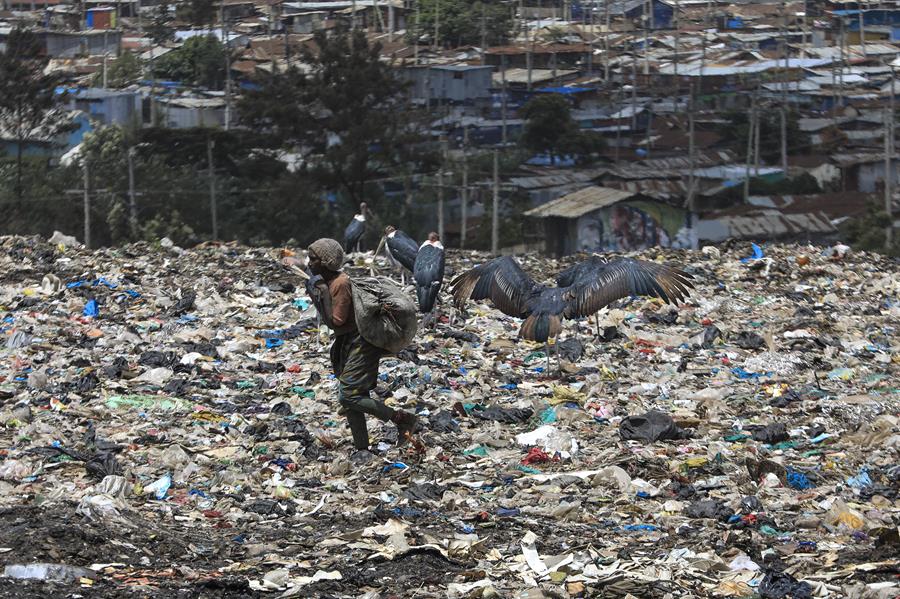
385	316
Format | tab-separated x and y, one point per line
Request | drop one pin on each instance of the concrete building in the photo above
597	219
108	107
65	44
865	171
449	83
183	113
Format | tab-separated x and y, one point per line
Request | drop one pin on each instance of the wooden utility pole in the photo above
584	30
756	129
503	102
483	32
529	46
692	156
437	22
270	16
464	192
132	198
841	67
647	26
862	29
618	105
784	86
606	41
633	93
888	181
495	210
440	190
227	120
677	47
750	135
87	202
889	125
287	41
213	206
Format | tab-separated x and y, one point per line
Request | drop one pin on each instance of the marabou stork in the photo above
583	290
401	250
583	272
354	231
428	273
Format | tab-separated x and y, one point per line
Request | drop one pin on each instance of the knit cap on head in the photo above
329	252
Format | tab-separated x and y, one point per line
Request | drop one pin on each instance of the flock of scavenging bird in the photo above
581	290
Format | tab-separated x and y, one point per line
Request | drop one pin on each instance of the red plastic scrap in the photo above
536	455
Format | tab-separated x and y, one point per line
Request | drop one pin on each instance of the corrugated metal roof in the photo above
660	189
845	160
772	223
743	67
537	75
580	202
554	179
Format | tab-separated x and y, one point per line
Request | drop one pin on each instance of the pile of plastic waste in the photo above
169	427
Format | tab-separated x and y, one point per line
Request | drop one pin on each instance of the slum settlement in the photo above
557	126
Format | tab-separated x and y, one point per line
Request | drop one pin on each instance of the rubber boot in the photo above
358	428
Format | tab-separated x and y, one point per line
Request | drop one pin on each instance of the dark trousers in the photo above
355	363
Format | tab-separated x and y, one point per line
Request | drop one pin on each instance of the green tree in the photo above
465	22
550	129
867	232
106	151
28	99
197	12
159	29
738	125
124	70
347	112
199	61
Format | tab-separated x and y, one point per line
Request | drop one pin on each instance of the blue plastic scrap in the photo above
861	480
272	343
91	308
395	465
757	254
743	374
798	480
99	281
640	527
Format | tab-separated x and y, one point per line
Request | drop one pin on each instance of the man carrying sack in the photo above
354	359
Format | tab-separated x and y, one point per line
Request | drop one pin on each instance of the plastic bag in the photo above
652	426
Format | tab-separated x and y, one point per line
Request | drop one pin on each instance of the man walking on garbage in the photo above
355	360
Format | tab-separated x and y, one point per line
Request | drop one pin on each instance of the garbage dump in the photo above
169	427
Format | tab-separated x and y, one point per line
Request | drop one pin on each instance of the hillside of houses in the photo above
710	120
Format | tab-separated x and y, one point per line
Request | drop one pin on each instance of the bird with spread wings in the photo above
581	290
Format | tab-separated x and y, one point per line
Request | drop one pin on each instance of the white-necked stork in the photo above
583	291
354	231
428	273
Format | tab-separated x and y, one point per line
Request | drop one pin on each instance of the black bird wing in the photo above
404	249
429	266
603	282
501	280
429	275
580	271
352	234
